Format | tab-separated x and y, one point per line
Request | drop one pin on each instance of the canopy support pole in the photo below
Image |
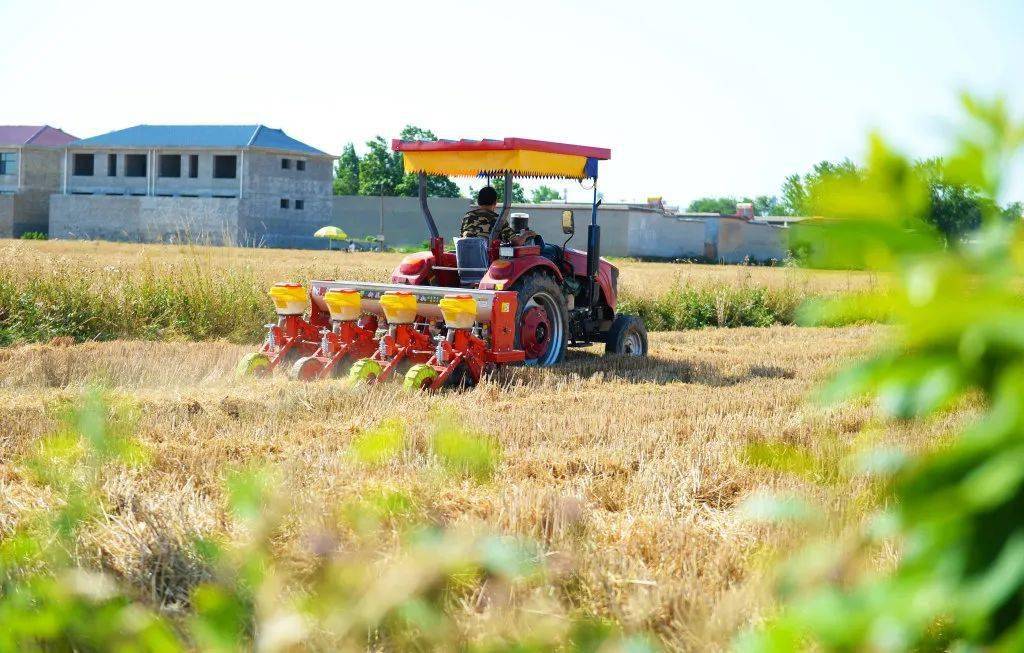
506	204
431	225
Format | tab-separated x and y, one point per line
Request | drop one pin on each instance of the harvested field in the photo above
630	472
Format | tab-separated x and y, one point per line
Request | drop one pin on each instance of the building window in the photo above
300	165
111	165
8	163
284	203
83	165
170	165
225	197
225	166
300	204
134	165
193	166
286	164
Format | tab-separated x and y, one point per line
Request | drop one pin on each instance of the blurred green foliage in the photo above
955	511
352	594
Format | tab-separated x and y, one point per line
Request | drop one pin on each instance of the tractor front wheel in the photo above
542	320
627	337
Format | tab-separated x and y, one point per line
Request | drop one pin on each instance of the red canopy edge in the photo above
486	144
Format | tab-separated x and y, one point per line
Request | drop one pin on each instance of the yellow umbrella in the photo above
333	233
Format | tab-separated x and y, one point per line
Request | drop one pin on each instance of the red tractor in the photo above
450	315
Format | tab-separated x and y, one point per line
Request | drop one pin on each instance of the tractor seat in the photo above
471	259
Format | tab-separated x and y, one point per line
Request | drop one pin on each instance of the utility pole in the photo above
380	229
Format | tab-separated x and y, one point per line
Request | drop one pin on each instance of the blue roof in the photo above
199	136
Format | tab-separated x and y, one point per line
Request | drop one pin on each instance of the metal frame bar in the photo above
505	206
431	225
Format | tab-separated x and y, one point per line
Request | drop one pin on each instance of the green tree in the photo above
797	191
955	209
437	186
346	173
380	171
767	205
383	171
545	194
518	194
721	205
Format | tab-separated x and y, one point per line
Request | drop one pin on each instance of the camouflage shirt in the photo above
479	223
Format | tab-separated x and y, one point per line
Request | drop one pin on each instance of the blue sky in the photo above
694	98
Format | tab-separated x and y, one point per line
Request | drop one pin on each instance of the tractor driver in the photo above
480	221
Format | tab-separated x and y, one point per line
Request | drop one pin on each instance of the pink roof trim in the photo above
34	135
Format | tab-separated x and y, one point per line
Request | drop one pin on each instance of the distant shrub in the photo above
188	302
33	235
695	307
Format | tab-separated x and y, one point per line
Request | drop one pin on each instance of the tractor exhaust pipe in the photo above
593	249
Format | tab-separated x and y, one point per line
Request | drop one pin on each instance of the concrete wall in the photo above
6	216
359	217
264	221
145	219
739	240
9	182
546	219
258	219
29	203
101	183
720	239
654	235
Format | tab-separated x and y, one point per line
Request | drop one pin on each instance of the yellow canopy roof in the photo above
521	157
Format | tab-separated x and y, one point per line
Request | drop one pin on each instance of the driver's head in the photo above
487	198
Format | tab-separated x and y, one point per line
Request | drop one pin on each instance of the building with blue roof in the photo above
220	183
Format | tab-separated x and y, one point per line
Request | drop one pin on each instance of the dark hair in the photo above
487	196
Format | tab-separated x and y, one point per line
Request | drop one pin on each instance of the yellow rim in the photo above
419	376
252	364
364	370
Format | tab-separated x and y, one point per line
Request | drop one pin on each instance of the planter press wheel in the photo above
364	370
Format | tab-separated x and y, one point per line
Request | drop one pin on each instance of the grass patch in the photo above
184	302
721	305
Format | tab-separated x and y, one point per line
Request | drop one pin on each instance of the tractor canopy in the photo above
520	157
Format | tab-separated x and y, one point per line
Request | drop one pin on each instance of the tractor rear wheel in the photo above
627	337
542	320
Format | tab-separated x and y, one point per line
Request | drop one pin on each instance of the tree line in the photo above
382	172
955	208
